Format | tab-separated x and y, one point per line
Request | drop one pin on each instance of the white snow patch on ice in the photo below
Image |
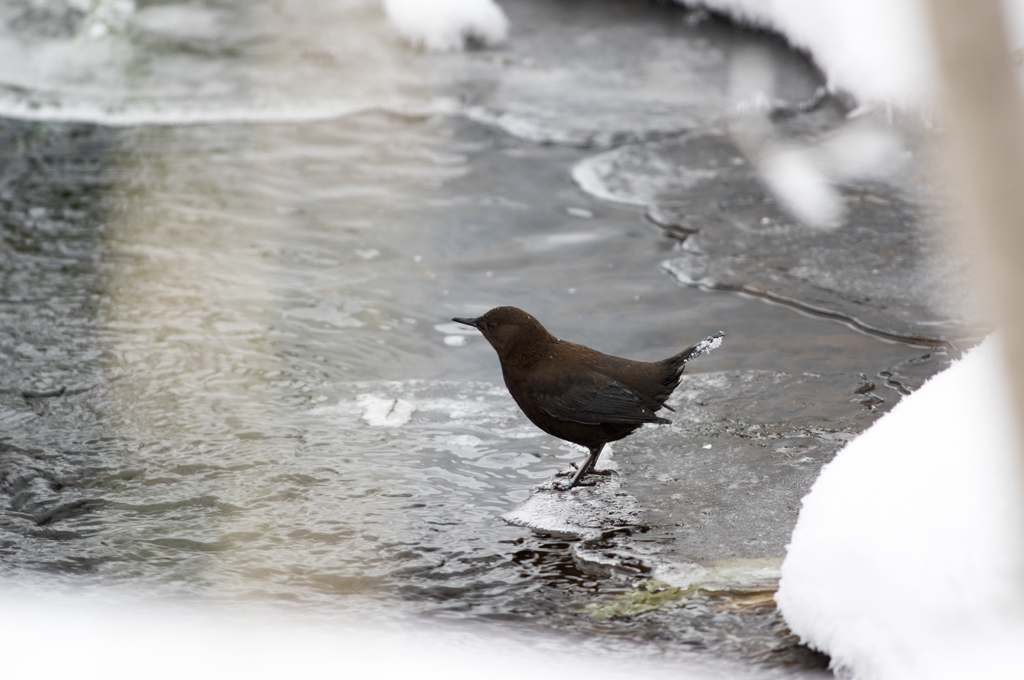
907	560
447	25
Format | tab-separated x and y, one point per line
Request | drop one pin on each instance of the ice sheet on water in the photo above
881	269
769	433
624	74
632	174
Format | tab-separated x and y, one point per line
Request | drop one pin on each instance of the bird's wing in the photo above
596	400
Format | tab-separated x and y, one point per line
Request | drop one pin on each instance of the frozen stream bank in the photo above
228	372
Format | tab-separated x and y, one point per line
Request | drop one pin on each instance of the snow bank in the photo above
447	25
907	560
879	50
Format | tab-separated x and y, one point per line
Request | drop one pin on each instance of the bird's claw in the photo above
567	486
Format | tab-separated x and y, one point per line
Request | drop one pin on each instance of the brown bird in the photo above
577	393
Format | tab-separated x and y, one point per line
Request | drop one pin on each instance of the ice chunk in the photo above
447	25
636	175
583	512
737	575
385	412
586	512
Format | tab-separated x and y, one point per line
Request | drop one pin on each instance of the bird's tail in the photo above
677	363
703	347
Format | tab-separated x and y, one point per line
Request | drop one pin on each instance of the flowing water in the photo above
234	235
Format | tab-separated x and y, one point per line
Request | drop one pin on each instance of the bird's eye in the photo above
493	324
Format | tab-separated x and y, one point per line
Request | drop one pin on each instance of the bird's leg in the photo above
588	464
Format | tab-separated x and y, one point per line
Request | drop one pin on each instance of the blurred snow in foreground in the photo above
908	556
157	645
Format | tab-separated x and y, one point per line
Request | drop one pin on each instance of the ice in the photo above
770	433
385	412
448	25
189	21
618	76
106	16
751	575
907	556
582	213
884	270
633	175
455	328
585	512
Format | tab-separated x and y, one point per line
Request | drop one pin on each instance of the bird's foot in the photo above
566	486
568	473
604	473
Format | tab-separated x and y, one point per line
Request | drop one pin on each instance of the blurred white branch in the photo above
985	157
803	174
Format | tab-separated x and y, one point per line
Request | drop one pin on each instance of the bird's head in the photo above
510	331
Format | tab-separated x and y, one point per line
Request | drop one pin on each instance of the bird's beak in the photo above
467	321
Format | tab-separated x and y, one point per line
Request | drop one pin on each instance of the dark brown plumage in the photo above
577	393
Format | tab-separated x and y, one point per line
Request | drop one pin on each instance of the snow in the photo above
877	49
220	646
448	25
908	556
